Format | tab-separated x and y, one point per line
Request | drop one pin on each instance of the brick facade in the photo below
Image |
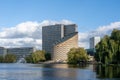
60	50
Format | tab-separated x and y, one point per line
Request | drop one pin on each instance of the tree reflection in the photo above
104	71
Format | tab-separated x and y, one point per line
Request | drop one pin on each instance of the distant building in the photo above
59	39
3	51
21	52
94	41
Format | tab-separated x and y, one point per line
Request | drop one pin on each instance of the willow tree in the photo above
116	37
108	49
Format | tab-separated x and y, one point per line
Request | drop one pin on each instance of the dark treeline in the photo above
36	57
8	58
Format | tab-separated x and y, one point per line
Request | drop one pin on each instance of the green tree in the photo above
76	55
115	35
108	49
1	59
29	59
48	56
9	58
36	57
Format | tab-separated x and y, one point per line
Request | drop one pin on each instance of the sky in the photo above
21	21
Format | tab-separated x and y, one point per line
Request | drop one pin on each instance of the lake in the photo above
57	72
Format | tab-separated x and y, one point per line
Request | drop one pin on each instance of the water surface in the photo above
51	72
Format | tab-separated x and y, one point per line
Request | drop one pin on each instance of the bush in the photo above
9	58
36	57
1	59
76	55
48	56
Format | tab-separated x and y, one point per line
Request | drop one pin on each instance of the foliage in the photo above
1	58
36	57
107	71
108	49
48	56
29	59
9	58
75	55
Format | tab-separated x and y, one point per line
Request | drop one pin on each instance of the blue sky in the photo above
89	15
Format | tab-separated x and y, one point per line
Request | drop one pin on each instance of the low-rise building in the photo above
21	52
3	51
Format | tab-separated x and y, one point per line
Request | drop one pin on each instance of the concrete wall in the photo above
60	50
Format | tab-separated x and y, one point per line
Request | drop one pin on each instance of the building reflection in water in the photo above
69	72
47	72
59	72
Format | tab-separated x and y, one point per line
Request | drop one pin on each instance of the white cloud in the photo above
26	34
100	31
30	33
83	39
